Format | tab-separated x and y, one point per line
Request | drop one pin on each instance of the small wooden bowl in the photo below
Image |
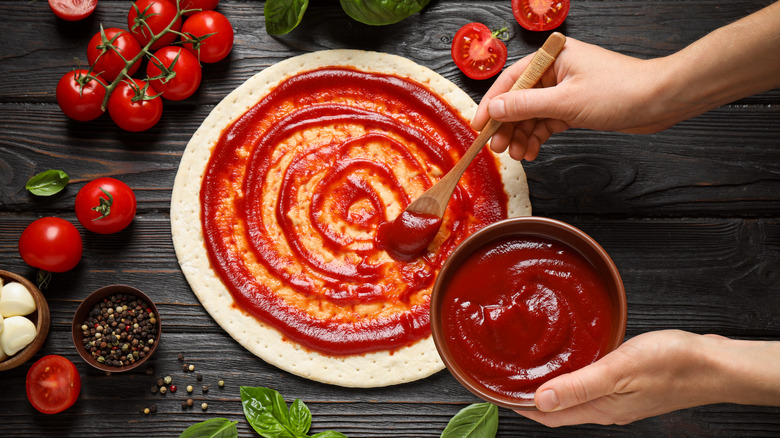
540	227
82	313
40	318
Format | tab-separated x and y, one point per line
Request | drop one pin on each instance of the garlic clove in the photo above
18	332
16	300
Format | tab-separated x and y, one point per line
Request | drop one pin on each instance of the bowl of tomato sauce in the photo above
524	300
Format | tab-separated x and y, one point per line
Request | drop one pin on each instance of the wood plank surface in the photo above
691	215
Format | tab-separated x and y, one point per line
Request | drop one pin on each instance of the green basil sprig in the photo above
282	16
47	183
213	428
267	413
382	12
479	420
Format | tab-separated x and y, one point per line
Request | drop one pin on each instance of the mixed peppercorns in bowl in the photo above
116	328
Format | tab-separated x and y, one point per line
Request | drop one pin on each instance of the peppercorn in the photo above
189	388
146	411
204	406
163	390
153	409
191	368
205	388
173	388
184	368
221	383
198	377
160	381
181	356
154	389
190	402
183	404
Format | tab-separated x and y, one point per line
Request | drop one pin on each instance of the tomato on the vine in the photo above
51	244
53	384
105	205
203	5
157	14
134	105
105	61
540	14
213	34
79	96
478	52
178	70
73	10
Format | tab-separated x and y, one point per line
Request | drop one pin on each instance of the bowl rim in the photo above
536	226
86	306
42	321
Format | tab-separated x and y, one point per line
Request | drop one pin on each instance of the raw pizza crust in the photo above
377	369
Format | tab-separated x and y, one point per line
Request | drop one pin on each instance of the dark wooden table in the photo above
691	215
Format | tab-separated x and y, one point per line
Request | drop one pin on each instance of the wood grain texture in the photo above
691	215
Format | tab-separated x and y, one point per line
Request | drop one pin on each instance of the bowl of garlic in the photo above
24	320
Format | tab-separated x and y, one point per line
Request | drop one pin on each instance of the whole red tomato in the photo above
51	244
157	14
179	71
105	205
53	384
203	5
540	15
73	10
79	96
135	106
105	61
200	27
477	51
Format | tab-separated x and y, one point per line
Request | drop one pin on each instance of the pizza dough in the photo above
376	369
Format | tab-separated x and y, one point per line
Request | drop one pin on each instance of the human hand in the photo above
587	87
650	374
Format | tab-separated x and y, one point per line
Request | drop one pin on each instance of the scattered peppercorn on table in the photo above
691	217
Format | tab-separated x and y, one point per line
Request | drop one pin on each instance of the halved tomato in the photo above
540	14
477	51
53	384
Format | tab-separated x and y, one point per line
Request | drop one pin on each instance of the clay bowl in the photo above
40	318
538	227
82	313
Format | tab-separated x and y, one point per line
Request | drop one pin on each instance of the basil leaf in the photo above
47	183
267	412
329	434
479	420
300	416
213	428
282	16
381	12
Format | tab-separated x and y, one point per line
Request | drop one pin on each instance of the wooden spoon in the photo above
434	201
413	230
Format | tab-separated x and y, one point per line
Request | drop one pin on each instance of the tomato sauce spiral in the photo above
296	187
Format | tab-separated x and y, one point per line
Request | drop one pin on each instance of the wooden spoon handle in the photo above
434	201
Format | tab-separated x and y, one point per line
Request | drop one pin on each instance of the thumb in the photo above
575	388
533	103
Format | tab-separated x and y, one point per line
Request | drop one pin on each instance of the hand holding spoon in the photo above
414	229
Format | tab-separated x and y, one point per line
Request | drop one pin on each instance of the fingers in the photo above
578	387
502	84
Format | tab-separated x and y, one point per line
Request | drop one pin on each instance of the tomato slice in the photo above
73	10
478	52
540	15
53	384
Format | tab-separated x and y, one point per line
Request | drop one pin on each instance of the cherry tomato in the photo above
157	14
105	61
53	384
180	69
73	10
79	96
540	14
215	47
105	205
51	244
478	52
134	105
203	5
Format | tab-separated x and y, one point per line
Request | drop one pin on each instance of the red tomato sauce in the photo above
408	235
296	188
522	310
